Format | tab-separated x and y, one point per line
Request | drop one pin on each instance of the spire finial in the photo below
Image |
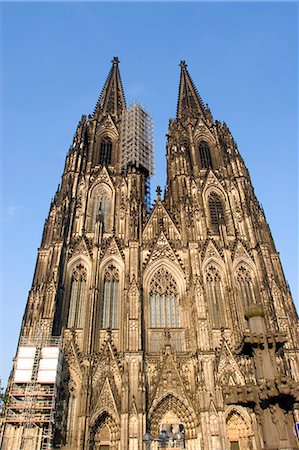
189	101
158	190
183	64
112	99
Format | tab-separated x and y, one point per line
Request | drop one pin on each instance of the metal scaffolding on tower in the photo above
137	143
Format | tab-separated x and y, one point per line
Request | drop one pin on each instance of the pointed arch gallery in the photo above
164	286
205	155
105	151
163	300
216	211
109	306
245	285
215	295
105	147
101	199
100	206
109	310
217	208
77	297
76	291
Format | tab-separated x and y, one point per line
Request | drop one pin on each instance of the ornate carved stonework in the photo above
177	318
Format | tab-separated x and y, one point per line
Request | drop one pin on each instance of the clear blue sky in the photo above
55	59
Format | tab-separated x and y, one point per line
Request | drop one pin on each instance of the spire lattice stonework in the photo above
112	99
189	101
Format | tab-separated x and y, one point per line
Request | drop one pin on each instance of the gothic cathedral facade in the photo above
170	328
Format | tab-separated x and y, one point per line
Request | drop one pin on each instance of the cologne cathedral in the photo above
164	326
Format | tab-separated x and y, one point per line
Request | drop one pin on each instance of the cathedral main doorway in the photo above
171	433
104	434
102	439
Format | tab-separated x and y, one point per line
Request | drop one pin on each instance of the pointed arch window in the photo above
110	302
215	297
205	155
216	212
77	298
245	286
101	206
105	152
163	300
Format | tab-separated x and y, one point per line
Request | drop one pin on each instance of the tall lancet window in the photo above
101	205
110	300
216	212
245	287
77	298
105	152
215	297
163	300
205	155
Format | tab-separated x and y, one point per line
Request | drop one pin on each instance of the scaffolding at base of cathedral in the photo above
29	412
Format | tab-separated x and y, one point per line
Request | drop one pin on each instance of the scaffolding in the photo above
137	144
29	414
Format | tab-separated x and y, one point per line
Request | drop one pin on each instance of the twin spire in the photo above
189	101
112	99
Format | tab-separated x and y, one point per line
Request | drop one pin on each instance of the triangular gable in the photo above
107	363
113	249
107	123
159	213
104	177
161	249
79	246
203	130
169	379
240	252
106	401
210	250
211	180
228	369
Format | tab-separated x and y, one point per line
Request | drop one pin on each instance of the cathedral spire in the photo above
189	101
112	99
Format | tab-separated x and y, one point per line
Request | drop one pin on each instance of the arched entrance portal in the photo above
102	439
176	419
238	429
104	433
174	430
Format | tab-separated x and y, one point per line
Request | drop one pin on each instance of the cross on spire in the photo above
158	190
183	64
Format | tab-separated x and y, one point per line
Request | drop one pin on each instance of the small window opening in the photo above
216	211
105	152
205	155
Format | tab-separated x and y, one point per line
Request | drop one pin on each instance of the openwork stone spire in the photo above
189	101
112	99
